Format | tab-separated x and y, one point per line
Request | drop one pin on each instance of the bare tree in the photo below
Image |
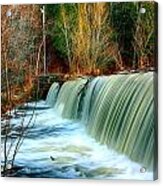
92	45
20	38
66	33
143	35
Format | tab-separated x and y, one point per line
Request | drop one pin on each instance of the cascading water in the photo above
123	116
52	94
117	111
101	128
69	97
90	96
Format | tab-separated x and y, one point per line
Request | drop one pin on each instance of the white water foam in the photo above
62	148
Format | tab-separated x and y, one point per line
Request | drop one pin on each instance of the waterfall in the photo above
52	94
123	116
117	110
69	99
90	96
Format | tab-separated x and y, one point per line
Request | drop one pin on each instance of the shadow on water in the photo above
27	107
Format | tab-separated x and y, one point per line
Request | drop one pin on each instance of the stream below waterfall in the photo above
61	148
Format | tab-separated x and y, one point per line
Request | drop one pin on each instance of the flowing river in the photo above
66	140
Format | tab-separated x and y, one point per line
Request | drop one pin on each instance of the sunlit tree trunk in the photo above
66	33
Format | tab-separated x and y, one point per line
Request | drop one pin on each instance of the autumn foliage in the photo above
81	39
21	37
